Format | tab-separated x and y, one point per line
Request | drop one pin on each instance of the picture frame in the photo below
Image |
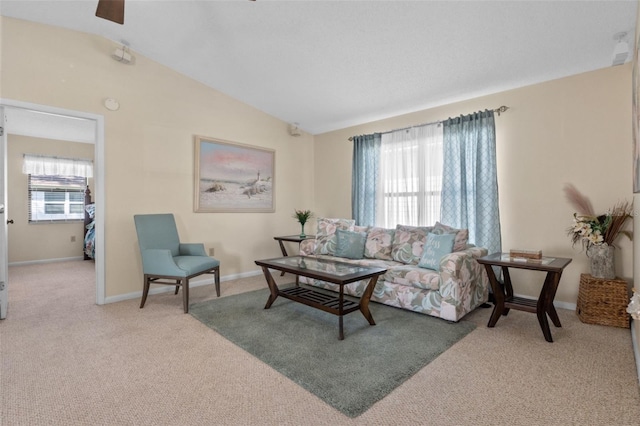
233	177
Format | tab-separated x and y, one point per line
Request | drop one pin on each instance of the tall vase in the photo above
302	234
601	261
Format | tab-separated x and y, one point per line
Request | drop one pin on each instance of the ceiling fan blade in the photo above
111	10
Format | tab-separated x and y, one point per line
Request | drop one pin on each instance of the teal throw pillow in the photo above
350	244
435	248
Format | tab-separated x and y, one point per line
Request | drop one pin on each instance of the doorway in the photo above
48	122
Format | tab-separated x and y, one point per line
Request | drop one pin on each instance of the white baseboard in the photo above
167	288
556	303
565	305
35	262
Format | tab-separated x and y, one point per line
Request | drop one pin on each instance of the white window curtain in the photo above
56	166
410	176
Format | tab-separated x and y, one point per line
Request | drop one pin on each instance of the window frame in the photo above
38	186
422	196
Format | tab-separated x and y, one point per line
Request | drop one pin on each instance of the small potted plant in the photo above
302	216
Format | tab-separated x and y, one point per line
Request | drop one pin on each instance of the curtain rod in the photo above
498	110
55	157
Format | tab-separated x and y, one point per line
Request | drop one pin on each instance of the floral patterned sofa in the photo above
450	290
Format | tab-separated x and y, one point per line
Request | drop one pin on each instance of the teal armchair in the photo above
167	261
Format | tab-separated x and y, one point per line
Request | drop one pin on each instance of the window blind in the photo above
56	198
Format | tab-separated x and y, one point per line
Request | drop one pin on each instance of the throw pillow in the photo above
326	234
378	245
408	242
350	244
436	247
357	228
462	235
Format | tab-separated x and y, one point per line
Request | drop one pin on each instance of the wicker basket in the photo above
602	301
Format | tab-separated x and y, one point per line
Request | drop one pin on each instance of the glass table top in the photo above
321	265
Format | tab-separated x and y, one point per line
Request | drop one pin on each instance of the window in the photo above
410	177
448	174
56	198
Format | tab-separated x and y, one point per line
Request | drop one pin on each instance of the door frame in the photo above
99	175
4	246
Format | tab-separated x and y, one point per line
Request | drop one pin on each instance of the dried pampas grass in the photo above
579	201
619	215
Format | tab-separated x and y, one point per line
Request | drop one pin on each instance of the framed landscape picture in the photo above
232	177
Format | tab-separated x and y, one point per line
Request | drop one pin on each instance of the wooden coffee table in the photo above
339	273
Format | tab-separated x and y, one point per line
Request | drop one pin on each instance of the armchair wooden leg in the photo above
185	294
145	291
177	287
217	279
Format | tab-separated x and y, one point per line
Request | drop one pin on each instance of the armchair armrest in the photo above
192	249
160	262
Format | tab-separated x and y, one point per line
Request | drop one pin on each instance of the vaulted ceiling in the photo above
331	64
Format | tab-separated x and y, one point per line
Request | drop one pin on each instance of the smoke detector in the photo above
621	50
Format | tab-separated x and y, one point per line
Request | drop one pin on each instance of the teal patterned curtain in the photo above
364	182
469	181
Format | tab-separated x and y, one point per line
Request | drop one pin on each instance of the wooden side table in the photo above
291	238
503	293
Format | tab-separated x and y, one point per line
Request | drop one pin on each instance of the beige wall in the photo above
572	130
575	129
149	144
29	242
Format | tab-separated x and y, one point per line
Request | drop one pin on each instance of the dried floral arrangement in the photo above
590	228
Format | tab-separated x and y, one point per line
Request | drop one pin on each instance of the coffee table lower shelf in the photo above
322	301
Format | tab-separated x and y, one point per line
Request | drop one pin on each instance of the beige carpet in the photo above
66	361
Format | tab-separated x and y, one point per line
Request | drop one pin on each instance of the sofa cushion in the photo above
399	273
462	235
357	228
326	235
378	245
437	246
408	242
350	244
413	276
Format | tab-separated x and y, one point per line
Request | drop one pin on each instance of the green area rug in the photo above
302	343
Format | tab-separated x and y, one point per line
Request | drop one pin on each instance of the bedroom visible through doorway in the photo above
55	133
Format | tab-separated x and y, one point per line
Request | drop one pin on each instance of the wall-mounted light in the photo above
122	55
294	130
621	50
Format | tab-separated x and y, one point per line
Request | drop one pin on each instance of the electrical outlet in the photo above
73	238
211	251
